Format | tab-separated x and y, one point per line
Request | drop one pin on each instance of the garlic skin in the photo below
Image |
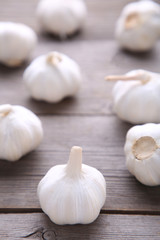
138	27
72	193
142	150
52	77
20	132
17	41
61	17
136	96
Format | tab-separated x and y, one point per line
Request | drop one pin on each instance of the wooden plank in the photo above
96	134
93	126
111	227
124	193
99	25
96	56
102	139
19	180
96	59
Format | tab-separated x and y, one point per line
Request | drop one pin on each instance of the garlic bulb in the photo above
61	17
142	149
72	193
138	27
16	43
136	96
52	77
20	132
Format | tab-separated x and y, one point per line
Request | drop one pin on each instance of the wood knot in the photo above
49	235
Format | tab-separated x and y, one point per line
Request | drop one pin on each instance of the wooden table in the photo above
131	210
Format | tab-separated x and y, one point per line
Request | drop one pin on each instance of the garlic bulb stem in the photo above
140	77
74	164
53	58
5	110
144	147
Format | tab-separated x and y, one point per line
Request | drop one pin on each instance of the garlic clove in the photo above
136	96
138	26
17	41
61	17
72	193
52	77
20	132
142	150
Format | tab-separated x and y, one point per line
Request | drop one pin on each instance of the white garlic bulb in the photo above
17	41
138	27
20	132
52	77
72	193
142	149
136	96
61	17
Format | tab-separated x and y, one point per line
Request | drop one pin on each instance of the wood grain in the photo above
124	193
97	135
96	60
110	227
99	25
102	139
95	51
86	120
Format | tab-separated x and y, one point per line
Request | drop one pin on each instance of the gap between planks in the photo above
104	211
76	114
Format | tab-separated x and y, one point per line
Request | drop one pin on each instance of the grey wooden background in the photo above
131	210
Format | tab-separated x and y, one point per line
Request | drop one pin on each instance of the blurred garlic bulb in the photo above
136	96
138	27
52	77
17	41
142	149
20	132
61	17
72	193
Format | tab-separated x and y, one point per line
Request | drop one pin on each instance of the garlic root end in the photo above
144	147
133	21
